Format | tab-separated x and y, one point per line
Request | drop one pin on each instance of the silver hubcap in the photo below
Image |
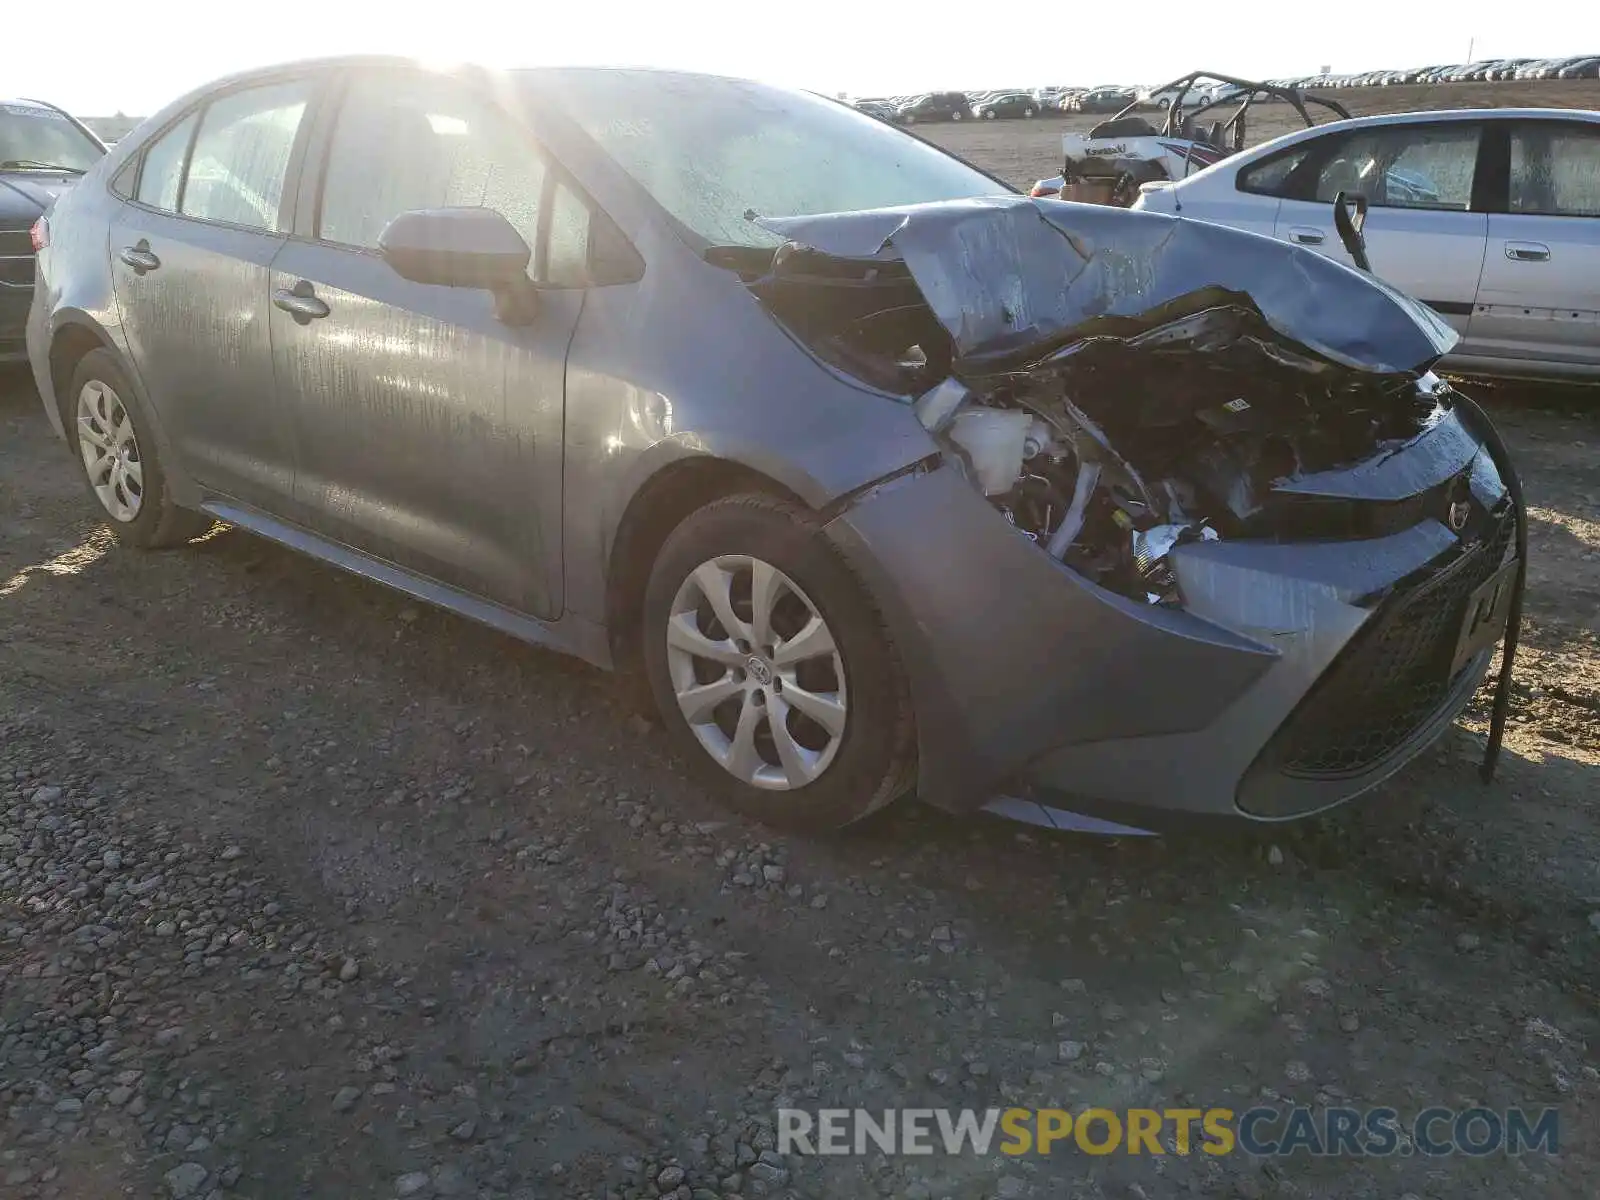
110	451
756	672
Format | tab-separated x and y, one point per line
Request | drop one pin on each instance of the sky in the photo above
152	51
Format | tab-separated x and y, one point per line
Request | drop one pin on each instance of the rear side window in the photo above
1555	170
1405	166
162	173
241	155
403	144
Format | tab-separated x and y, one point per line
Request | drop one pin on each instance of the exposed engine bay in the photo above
1174	382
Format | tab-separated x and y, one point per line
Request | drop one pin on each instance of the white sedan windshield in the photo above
716	152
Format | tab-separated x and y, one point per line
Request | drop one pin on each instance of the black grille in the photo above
1394	674
16	258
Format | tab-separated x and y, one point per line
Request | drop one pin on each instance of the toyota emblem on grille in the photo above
1459	512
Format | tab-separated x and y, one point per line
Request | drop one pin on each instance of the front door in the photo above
1540	296
189	258
1423	235
429	430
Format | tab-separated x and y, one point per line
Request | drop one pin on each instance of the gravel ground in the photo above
307	891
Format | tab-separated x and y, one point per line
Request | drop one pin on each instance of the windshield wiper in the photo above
32	164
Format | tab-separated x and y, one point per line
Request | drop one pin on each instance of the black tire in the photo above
876	757
988	114
158	522
1027	112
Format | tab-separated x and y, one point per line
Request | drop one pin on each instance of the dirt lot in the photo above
1022	151
308	892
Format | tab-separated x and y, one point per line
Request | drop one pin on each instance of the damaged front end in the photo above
1120	385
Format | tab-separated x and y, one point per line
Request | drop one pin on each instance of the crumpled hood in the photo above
24	195
1011	276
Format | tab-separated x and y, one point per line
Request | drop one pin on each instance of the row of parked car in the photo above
996	104
1572	66
1031	102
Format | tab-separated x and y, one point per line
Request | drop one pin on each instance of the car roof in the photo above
1418	118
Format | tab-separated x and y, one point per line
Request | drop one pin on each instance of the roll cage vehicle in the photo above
1110	163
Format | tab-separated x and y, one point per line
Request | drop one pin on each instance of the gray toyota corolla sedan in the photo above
884	476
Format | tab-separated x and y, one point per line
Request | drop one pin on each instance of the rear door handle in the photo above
1306	236
139	257
300	302
1527	252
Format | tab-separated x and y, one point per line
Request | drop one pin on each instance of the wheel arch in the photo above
657	507
74	337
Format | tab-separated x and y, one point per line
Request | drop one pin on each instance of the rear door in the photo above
429	430
1540	296
189	253
1425	232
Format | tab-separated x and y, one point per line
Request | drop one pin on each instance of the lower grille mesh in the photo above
1394	674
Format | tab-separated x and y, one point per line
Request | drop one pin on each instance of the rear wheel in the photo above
111	433
1027	112
955	116
772	668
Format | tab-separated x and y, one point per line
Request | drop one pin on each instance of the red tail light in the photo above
40	234
1039	189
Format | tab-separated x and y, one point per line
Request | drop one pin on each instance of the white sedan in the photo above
1489	216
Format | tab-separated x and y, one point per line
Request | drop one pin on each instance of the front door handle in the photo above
1527	252
1306	236
300	302
139	257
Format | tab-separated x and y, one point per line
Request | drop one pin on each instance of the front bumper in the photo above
1029	682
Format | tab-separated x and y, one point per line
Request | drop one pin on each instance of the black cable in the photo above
1508	652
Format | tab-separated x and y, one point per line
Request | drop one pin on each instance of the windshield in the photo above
717	152
35	137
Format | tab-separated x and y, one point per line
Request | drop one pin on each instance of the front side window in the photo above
1555	170
34	138
1405	166
416	143
241	155
712	152
161	176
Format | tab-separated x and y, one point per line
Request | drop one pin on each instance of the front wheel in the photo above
910	118
988	114
111	432
772	668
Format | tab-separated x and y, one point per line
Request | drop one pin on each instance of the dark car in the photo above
1006	104
1104	99
1584	68
882	475
43	151
935	106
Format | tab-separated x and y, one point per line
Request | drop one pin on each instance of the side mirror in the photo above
462	247
1349	218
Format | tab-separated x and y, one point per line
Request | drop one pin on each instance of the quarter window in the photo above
1555	170
1405	166
241	155
1269	178
162	173
406	144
